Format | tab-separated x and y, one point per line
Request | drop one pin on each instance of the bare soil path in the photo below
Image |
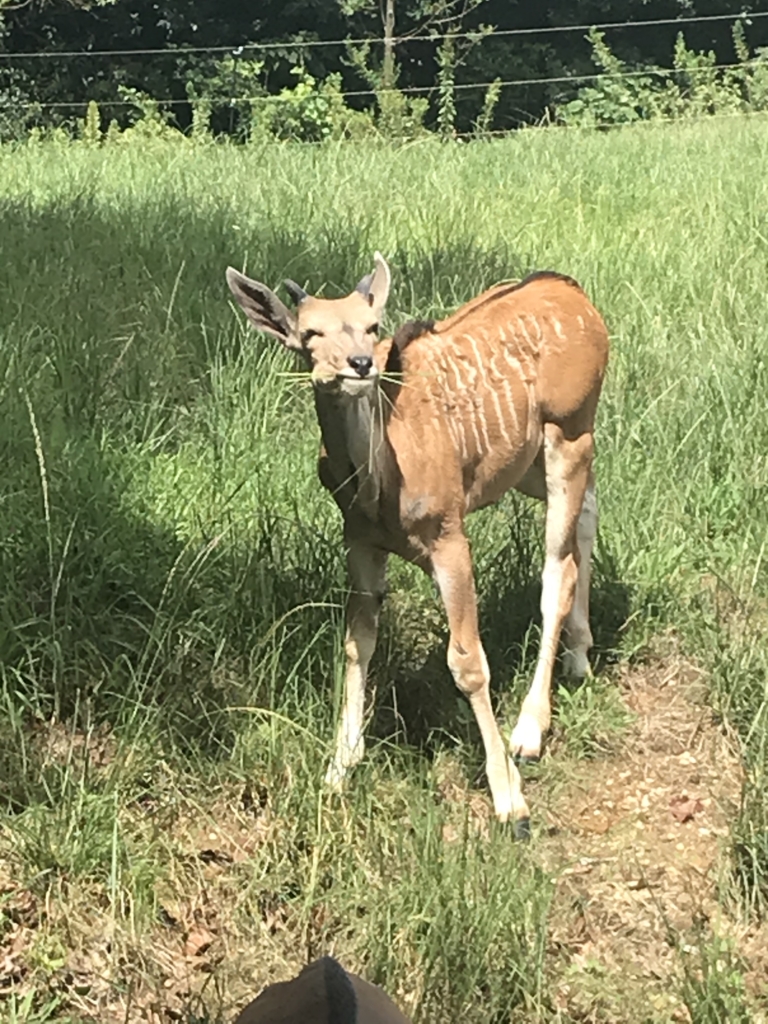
638	844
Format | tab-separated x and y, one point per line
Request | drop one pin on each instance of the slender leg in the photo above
578	635
568	464
452	568
367	570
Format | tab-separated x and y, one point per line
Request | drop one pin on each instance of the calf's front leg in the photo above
367	568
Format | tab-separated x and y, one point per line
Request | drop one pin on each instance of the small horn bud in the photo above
296	292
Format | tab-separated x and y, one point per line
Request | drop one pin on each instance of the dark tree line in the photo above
419	51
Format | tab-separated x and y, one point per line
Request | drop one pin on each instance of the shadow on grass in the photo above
109	617
417	700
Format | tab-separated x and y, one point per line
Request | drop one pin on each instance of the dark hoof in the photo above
522	829
524	759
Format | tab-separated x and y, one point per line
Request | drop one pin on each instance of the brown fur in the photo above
558	381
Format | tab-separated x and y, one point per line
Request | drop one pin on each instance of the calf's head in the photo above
336	336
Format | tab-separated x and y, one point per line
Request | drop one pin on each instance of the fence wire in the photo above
417	90
237	49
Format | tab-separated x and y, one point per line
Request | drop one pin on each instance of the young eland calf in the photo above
420	429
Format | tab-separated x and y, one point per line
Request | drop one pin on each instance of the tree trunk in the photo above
388	67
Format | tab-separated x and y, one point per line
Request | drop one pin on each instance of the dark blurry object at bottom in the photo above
324	993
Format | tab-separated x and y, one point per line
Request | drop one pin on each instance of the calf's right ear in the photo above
263	308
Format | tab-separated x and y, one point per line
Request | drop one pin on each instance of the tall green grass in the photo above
170	566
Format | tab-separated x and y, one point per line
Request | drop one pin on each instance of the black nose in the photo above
361	365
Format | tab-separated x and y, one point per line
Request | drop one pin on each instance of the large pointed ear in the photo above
263	308
375	286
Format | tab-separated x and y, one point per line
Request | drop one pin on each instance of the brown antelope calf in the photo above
324	993
420	429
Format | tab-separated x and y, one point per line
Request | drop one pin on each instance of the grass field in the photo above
172	588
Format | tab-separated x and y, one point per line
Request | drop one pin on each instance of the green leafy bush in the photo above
310	111
695	86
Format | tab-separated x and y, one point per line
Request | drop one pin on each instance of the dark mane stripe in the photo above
501	291
413	329
402	337
539	275
409	331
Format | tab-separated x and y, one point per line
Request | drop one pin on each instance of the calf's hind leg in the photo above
568	463
578	635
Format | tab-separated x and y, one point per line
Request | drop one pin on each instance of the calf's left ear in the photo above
375	286
263	308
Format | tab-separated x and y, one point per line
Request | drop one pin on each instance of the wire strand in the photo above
647	122
239	49
538	125
419	89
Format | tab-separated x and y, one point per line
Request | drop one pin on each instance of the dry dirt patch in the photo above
637	843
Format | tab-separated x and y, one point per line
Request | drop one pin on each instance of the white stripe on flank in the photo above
525	362
499	417
451	424
454	365
471	396
496	373
514	363
511	404
521	326
451	391
472	373
480	364
530	328
471	417
480	409
454	397
460	430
